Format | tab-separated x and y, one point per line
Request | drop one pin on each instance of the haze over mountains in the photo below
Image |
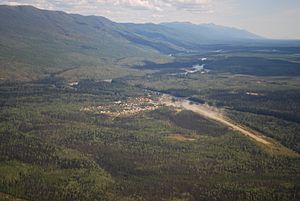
30	22
54	40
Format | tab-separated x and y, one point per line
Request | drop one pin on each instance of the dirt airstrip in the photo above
218	116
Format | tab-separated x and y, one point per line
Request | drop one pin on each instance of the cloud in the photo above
191	5
38	3
138	4
154	5
13	3
160	5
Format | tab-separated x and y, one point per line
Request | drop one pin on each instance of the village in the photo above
128	107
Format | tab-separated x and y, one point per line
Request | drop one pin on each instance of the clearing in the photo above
217	115
181	138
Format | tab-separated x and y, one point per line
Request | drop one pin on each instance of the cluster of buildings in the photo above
125	108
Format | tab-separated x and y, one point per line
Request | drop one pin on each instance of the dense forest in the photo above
52	150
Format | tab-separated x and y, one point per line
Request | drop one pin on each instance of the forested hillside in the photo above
35	43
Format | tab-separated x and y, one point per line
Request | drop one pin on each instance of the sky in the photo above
269	18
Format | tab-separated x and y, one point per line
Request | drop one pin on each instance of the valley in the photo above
97	110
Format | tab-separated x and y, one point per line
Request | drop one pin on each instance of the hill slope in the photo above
38	40
35	42
192	36
211	33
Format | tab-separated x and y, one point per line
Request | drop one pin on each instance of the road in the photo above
214	114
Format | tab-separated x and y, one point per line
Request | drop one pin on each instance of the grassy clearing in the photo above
182	138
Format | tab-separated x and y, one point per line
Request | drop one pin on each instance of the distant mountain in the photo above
36	42
191	36
211	33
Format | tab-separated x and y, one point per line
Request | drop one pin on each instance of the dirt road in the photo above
214	114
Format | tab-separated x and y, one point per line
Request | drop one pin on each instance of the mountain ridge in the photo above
36	42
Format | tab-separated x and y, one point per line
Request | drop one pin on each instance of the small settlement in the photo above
129	107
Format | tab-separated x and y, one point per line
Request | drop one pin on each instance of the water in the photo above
194	69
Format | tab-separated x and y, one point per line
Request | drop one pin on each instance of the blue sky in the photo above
269	18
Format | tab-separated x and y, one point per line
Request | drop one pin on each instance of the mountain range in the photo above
35	42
